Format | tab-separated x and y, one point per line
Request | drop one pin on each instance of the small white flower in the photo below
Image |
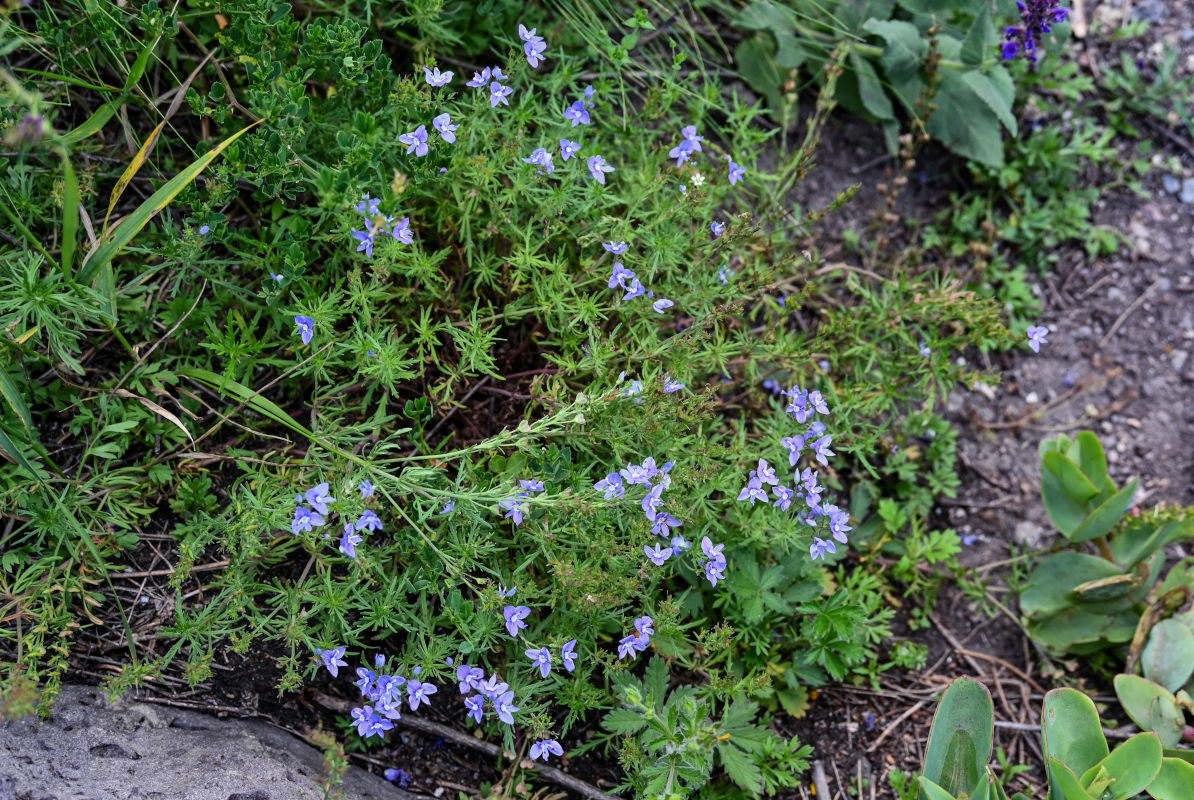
698	180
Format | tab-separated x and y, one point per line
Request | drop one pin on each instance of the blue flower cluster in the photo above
514	506
637	642
370	208
316	516
384	692
803	408
493	689
622	279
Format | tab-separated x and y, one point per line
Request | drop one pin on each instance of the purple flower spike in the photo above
306	328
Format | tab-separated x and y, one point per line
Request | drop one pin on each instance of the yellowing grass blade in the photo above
130	171
131	225
12	396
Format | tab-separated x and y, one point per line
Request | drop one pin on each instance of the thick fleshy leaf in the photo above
1052	582
1175	781
1131	767
960	738
1065	782
1071	730
1151	707
1106	515
1168	658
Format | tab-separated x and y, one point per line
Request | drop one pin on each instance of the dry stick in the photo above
887	731
820	785
551	773
1110	733
1139	301
158	573
1015	670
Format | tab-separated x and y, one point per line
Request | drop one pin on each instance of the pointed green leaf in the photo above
987	91
1052	582
247	396
1132	767
931	791
976	45
12	396
1065	783
70	215
1087	452
1107	515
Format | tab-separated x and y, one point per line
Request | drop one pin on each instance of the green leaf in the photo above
124	232
1066	783
1090	457
1105	517
1175	781
138	68
655	679
976	45
904	47
987	91
1151	707
1140	538
1168	658
740	767
15	401
963	122
1052	582
9	448
1132	767
70	215
1064	490
870	90
932	791
762	15
95	122
624	721
756	64
244	394
1071	730
960	737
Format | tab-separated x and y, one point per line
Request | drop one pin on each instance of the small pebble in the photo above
1172	183
1187	195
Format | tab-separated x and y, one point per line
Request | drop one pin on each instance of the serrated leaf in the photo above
740	767
976	44
904	47
656	678
624	721
985	89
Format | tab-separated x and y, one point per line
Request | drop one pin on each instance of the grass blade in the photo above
129	227
246	396
70	215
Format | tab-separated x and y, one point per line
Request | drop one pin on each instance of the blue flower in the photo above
644	626
532	485
349	541
611	484
369	723
817	402
491	687
784	497
533	46
504	592
690	135
498	94
663	524
598	168
206	229
448	506
821	449
589	93
475	706
662	305
305	520
714	571
718	228
469	677
766	473
514	509
332	659
545	747
505	708
541	658
577	114
679	545
402	231
671	385
820	547
737	173
725	274
753	491
480	79
635	289
366	489
652	501
415	141
443	124
1036	337
306	328
568	148
658	554
543	158
617	248
681	152
365	679
437	78
276	276
568	655
712	551
318	498
793	444
369	206
366	241
400	776
368	522
635	474
619	275
514	618
418	692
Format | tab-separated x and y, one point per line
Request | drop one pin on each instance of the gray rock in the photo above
1172	183
90	749
1187	195
1029	533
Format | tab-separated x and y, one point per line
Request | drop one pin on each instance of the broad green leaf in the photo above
1078	631
1052	582
1106	516
903	52
870	90
984	88
1168	658
1140	538
1175	781
977	44
1090	457
960	737
1066	508
762	15
1071	730
756	64
1151	707
124	231
1132	767
1073	481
